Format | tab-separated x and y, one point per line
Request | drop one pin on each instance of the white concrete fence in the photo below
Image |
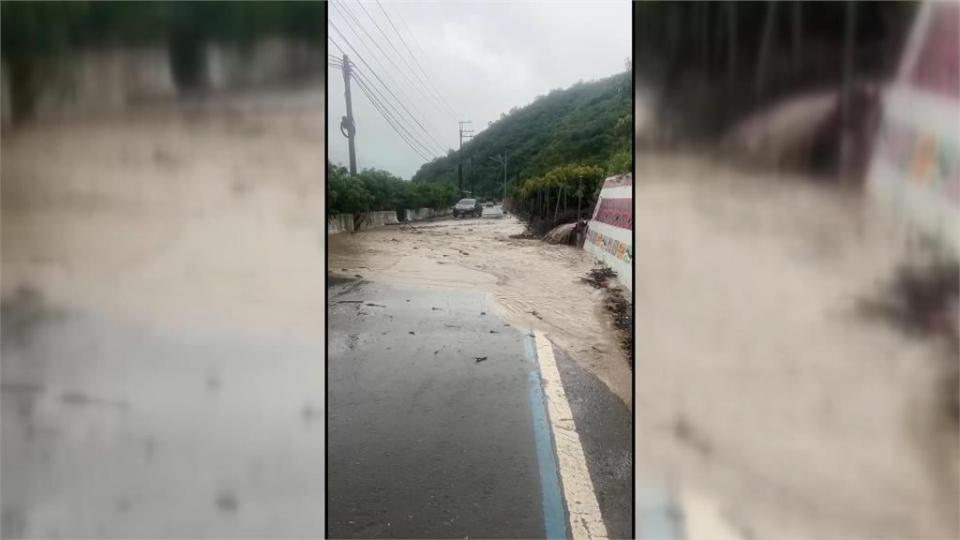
339	223
98	80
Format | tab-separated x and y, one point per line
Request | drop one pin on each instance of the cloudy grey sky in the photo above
483	58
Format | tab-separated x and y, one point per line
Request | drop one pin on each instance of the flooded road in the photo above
438	426
163	347
443	340
760	387
533	284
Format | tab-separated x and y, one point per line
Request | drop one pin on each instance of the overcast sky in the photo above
483	58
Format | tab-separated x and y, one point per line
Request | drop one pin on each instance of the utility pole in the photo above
347	127
463	133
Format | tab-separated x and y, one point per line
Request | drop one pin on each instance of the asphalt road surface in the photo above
438	423
121	429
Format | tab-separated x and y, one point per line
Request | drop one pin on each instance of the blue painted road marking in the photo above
554	514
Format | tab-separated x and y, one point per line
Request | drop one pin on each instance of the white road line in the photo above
586	521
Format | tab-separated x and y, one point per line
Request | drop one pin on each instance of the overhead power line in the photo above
396	124
376	76
419	84
438	146
389	119
413	36
390	113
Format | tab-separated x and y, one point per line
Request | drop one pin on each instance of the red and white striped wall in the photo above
609	233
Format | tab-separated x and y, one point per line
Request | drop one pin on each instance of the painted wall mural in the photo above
621	250
609	235
924	158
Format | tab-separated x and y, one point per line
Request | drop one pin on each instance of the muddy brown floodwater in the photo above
173	213
535	285
759	384
163	322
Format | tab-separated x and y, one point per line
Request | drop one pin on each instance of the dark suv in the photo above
468	207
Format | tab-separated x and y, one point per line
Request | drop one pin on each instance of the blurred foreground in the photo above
162	336
761	386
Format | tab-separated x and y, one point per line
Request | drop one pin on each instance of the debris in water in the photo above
599	276
463	252
479	358
537	315
412	333
371	304
622	312
494	332
562	234
349	301
358	276
436	309
921	299
483	312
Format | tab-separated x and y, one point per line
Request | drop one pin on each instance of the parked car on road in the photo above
467	207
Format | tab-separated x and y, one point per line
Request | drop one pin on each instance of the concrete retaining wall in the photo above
269	60
915	171
340	223
111	79
425	213
372	220
102	80
360	222
609	232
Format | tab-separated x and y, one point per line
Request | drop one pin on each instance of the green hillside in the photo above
588	123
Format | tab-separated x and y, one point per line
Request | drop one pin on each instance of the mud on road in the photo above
535	285
759	382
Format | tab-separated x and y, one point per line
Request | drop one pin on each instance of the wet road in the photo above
115	429
438	425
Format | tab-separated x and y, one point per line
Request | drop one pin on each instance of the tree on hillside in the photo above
588	123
